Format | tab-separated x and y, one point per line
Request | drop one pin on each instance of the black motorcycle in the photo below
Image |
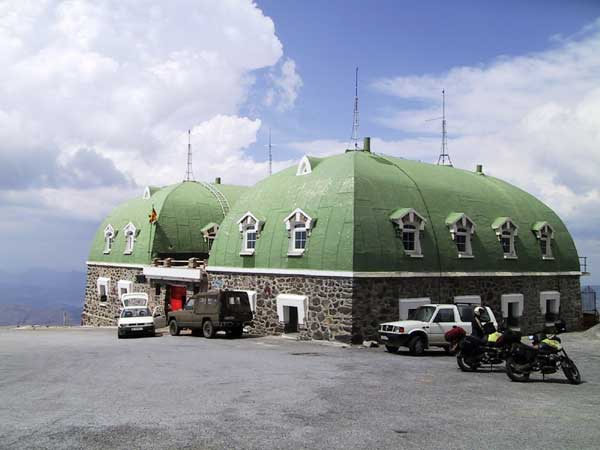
492	350
546	355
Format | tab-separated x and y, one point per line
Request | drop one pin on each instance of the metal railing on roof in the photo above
219	196
192	263
583	268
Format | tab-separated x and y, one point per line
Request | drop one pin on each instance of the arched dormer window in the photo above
109	236
461	230
299	225
250	227
409	225
130	232
304	167
209	232
544	234
506	230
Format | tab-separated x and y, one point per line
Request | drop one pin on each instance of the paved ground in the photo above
83	388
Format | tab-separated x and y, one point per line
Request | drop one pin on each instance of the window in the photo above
409	225
130	232
189	306
285	302
423	313
550	306
209	232
109	235
512	309
408	306
506	230
304	166
103	285
544	233
445	315
250	228
124	287
299	225
461	230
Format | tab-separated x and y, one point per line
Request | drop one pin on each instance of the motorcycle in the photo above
546	355
492	350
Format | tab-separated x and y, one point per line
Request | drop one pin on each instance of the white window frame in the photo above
468	299
411	218
129	232
298	217
506	225
304	167
103	283
545	296
297	301
463	222
405	304
210	235
124	285
109	236
245	223
252	299
506	299
545	232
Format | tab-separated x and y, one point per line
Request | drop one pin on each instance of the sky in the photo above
96	99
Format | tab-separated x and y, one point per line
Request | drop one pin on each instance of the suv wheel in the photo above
417	346
174	328
208	329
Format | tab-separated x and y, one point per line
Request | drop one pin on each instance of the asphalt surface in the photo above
83	388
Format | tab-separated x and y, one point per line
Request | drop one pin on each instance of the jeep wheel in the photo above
392	349
208	329
417	346
174	328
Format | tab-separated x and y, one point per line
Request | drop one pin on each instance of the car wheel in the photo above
208	329
392	349
417	346
174	328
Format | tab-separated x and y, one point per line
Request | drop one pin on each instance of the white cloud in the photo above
286	85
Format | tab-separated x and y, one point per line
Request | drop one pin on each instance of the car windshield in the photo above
423	313
135	312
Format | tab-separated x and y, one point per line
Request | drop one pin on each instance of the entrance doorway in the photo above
291	324
177	297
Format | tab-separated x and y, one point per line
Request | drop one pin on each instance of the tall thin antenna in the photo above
354	138
189	175
444	151
270	155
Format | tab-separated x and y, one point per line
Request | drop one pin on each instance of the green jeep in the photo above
209	312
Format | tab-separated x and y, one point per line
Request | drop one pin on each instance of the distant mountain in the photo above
41	296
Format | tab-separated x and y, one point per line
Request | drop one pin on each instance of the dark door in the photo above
292	324
177	299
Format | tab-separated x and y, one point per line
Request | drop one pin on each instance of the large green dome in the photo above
353	199
182	209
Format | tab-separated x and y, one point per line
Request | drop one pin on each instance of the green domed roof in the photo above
353	197
182	209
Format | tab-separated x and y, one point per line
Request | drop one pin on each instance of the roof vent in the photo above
218	180
479	169
367	145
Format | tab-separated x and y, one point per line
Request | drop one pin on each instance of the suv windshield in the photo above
423	313
136	312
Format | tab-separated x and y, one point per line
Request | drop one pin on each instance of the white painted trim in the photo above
298	301
349	274
405	304
470	299
115	264
549	295
252	299
304	167
505	299
124	284
173	273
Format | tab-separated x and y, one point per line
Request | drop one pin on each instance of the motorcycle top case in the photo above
523	353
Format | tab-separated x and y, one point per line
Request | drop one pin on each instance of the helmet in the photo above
478	311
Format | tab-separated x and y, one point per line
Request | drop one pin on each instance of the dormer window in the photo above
129	232
461	230
109	235
304	167
409	225
299	225
250	227
209	232
506	230
544	233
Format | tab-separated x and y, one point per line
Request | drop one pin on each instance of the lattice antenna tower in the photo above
354	138
270	154
444	157
189	174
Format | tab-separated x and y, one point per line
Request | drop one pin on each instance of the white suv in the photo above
136	318
427	325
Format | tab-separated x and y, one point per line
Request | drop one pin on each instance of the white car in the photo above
427	325
136	318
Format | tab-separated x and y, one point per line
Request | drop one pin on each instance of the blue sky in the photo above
96	100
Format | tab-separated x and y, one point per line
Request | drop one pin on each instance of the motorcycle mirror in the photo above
531	337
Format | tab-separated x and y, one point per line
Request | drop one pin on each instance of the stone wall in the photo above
329	314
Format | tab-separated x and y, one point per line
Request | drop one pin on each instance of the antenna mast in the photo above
354	138
189	175
270	155
444	156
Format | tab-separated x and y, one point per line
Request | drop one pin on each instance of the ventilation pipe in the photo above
479	169
218	180
367	145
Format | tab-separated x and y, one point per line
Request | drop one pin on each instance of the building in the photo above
156	243
333	246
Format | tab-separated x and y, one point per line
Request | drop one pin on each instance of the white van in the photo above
136	318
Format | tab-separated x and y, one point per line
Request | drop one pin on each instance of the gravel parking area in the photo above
83	388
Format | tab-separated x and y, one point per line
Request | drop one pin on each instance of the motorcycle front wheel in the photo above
466	364
513	373
571	371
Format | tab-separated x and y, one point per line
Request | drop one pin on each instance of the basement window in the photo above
103	286
506	230
550	306
130	232
512	309
298	225
124	287
462	229
409	225
109	235
250	227
544	234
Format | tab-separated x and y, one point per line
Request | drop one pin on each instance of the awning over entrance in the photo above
174	273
